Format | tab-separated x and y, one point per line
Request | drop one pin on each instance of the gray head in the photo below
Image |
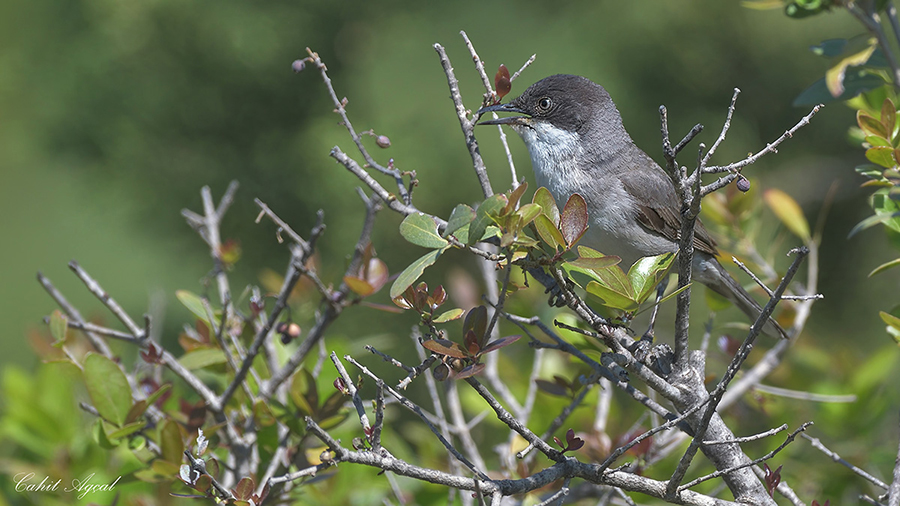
565	104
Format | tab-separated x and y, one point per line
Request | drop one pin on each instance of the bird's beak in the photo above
510	120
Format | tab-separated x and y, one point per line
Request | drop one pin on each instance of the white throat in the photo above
554	156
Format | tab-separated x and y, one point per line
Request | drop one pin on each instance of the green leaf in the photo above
59	327
548	231
461	216
647	272
108	388
878	141
574	219
872	221
890	320
194	303
883	156
885	266
413	271
871	125
127	430
421	230
485	215
303	390
171	443
100	437
889	117
203	357
513	199
834	77
527	213
610	297
596	263
856	81
543	198
762	4
788	211
447	316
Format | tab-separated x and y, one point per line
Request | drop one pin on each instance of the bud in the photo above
743	184
298	65
383	141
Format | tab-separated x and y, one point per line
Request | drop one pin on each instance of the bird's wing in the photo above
658	207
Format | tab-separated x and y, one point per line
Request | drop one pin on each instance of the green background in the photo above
114	114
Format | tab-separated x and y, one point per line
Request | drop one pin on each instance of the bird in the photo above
578	144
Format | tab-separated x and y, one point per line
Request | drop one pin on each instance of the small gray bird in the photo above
578	144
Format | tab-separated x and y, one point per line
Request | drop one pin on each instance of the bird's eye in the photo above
544	104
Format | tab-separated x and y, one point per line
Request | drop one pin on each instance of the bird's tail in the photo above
729	288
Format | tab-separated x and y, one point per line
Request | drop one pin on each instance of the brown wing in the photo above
659	209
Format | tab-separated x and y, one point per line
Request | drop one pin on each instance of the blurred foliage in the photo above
115	114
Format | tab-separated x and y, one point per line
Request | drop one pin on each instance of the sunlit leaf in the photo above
548	231
194	303
763	4
543	198
528	213
614	298
647	272
421	230
107	387
870	125
834	77
595	263
244	489
788	211
413	271
453	314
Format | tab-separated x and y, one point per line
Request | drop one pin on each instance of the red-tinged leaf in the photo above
444	347
376	273
402	302
558	442
543	198
499	343
473	346
574	219
244	489
469	371
576	444
883	156
359	286
439	296
502	82
476	321
514	197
